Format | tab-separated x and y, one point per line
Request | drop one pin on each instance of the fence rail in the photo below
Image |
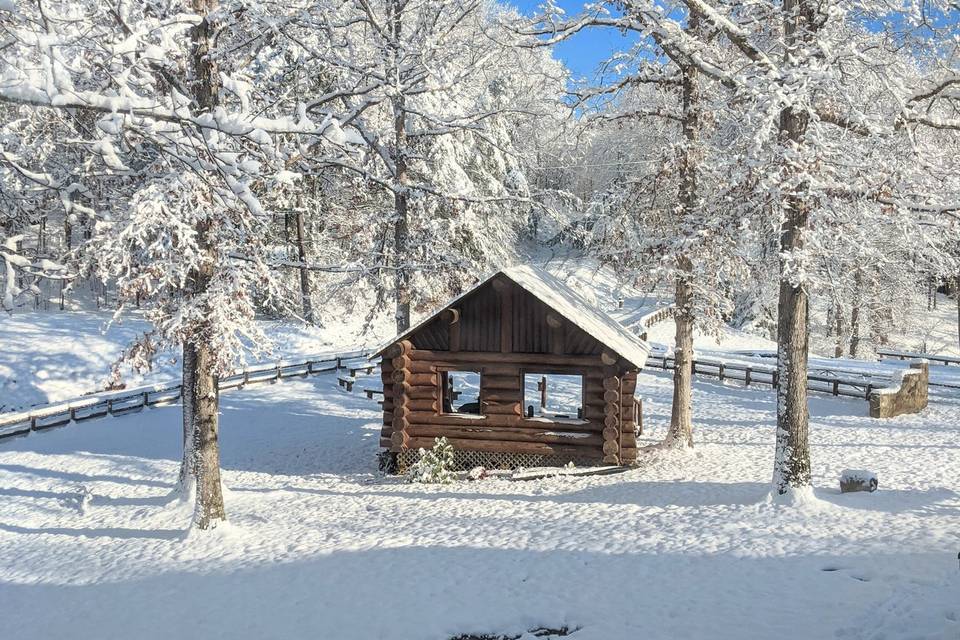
903	355
860	387
132	400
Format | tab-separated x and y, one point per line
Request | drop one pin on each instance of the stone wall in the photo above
906	395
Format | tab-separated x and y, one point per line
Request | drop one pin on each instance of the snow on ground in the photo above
733	345
321	546
49	357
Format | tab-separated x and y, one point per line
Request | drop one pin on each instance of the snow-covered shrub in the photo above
434	466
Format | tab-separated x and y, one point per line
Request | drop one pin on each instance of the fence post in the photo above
836	387
746	377
721	371
775	379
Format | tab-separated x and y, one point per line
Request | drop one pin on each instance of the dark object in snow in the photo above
460	374
536	474
539	632
857	480
387	462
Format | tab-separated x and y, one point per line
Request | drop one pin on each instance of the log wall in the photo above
412	398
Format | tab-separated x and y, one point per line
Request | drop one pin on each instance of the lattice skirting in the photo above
466	460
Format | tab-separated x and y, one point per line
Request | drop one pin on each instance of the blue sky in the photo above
583	52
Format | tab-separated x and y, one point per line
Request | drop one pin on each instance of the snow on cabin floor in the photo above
321	546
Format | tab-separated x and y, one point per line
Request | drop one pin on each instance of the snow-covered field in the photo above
51	357
321	546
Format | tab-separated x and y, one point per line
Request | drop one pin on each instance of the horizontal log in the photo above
386	367
491	357
423	404
628	440
386	443
403	347
416	379
611	459
500	382
400	375
611	396
628	384
611	447
425	417
504	435
593	412
611	421
400	389
401	410
503	395
400	439
423	391
499	446
502	408
594	387
401	362
388	413
422	366
400	423
501	369
611	433
386	377
611	384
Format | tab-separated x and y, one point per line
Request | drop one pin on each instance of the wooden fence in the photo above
131	400
824	382
913	355
655	317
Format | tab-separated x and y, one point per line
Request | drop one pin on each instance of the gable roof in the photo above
563	300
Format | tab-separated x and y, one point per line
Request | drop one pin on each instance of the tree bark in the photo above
838	317
855	314
200	381
209	509
185	481
791	470
680	434
401	196
306	290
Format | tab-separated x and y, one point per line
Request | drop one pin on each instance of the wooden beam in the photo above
587	364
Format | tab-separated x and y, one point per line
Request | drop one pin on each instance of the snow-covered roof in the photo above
566	302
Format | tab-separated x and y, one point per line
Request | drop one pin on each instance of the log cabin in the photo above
519	371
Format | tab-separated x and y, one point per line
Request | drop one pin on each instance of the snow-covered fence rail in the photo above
654	317
821	380
116	403
914	355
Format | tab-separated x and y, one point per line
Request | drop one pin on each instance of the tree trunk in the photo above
306	291
209	509
185	481
199	356
401	194
855	314
838	318
791	469
956	293
680	434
